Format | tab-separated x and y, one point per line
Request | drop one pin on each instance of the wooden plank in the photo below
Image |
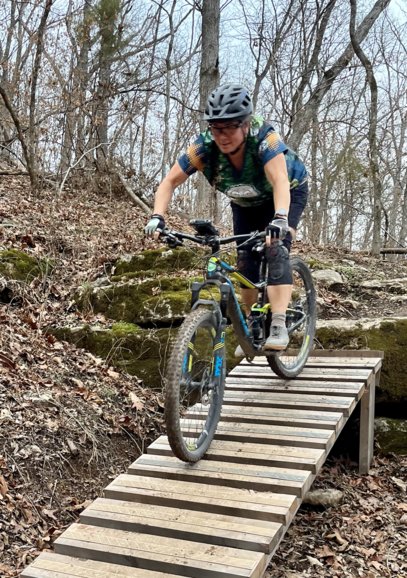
393	250
238	502
260	478
277	434
251	448
309	372
268	380
358	353
276	416
332	362
196	490
204	527
255	454
287	400
51	565
214	517
169	555
320	374
290	384
369	364
330	388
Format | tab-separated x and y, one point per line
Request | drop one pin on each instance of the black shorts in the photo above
249	219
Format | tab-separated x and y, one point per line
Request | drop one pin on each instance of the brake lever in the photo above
172	241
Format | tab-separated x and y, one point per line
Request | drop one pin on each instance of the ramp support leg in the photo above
366	438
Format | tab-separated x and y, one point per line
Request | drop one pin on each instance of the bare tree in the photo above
304	109
266	36
29	145
373	156
208	80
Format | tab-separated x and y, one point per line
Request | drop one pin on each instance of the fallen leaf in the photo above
336	534
49	514
136	402
399	483
113	374
376	565
3	486
324	552
314	561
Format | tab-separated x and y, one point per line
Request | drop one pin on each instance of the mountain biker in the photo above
244	158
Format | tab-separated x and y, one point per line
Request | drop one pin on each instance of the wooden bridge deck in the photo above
224	516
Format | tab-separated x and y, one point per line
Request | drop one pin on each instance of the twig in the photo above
61	186
139	202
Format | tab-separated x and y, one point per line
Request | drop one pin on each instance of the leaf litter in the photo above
70	423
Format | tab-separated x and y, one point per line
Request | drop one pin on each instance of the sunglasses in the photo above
228	130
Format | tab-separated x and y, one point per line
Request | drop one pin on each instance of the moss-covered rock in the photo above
141	352
164	299
158	261
391	435
19	266
388	335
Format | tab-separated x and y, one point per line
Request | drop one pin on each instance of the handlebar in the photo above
176	238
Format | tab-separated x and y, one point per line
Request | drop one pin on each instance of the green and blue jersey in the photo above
248	187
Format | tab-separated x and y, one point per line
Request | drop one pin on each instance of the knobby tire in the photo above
289	367
199	321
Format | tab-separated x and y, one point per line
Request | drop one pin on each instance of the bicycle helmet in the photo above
228	101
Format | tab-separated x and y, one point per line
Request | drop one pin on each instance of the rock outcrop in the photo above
388	335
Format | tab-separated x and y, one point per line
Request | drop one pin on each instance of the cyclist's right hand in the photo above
155	226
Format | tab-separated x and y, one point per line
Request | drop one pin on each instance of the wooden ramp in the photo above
224	516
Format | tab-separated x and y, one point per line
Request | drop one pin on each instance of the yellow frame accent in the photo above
263	309
243	280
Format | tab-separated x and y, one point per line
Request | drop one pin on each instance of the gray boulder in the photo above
328	277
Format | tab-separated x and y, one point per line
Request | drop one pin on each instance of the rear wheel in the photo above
301	320
194	385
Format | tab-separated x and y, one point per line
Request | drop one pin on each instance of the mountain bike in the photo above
196	369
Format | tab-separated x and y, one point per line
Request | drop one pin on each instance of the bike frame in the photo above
220	273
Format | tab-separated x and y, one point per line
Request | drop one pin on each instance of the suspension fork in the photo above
219	353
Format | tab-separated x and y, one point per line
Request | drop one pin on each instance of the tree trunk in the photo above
315	218
166	145
373	156
20	133
108	13
146	101
403	229
74	146
208	81
32	129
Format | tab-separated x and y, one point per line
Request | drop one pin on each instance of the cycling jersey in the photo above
248	187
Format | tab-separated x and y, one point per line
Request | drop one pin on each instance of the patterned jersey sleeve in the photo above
270	145
194	159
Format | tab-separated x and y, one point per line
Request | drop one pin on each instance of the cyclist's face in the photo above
228	135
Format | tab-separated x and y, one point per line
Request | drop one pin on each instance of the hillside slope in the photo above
69	423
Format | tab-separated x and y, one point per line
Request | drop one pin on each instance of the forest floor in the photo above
69	423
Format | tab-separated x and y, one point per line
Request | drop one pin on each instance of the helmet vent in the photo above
229	101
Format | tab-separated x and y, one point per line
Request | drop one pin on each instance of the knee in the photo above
248	265
279	267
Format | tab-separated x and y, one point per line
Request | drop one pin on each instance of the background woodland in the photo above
108	93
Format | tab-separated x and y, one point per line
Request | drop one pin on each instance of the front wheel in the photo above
194	384
301	321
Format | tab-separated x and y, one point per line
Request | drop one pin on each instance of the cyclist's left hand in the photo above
280	223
